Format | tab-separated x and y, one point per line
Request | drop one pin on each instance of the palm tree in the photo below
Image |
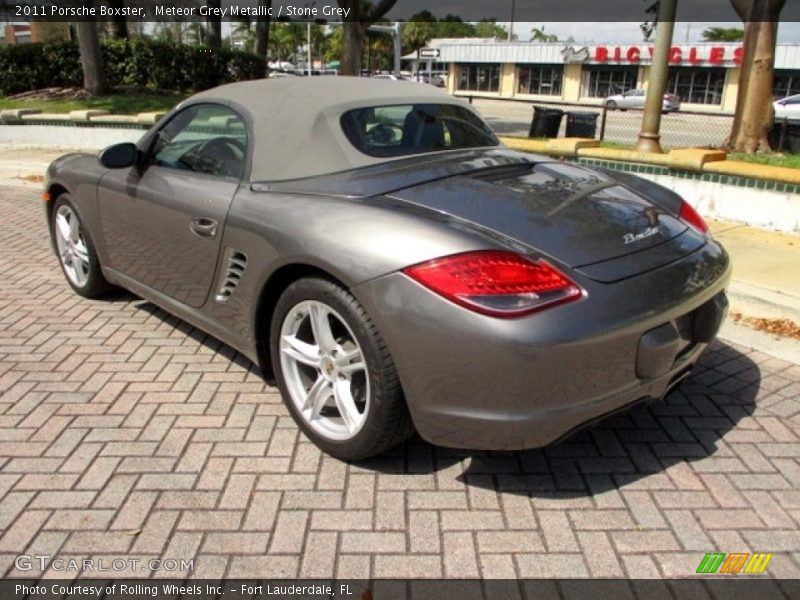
261	44
94	80
538	35
361	14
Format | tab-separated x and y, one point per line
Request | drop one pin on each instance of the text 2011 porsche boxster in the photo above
378	252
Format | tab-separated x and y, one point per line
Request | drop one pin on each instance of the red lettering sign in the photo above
695	55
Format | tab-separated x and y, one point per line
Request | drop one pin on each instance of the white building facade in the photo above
705	76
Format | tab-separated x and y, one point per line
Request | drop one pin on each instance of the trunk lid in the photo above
575	215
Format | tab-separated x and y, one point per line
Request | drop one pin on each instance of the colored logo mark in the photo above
741	562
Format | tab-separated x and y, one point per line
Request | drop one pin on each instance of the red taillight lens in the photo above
691	216
496	283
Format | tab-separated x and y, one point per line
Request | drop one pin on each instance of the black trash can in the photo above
545	122
785	137
582	124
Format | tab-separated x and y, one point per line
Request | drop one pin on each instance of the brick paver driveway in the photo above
125	433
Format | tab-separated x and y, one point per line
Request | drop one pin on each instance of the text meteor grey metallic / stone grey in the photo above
378	253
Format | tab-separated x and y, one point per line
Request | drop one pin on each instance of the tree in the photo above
538	35
261	43
119	25
488	28
94	80
214	24
421	28
361	14
723	34
754	113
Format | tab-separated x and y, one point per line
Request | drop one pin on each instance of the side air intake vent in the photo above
236	263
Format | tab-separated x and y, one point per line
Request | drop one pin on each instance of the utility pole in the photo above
395	30
511	22
649	136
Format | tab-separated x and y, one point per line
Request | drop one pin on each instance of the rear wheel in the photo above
611	105
76	252
335	373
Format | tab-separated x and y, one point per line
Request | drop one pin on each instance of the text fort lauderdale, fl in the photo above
142	589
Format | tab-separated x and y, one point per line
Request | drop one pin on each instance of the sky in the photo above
629	33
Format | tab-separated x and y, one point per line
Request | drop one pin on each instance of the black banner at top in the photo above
538	11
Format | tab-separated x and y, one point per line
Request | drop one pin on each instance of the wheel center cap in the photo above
328	368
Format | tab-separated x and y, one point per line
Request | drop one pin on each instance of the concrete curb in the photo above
758	301
687	159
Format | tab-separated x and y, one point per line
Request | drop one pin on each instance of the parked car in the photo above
392	266
636	99
434	78
390	77
788	108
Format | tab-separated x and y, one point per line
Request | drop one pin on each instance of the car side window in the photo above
204	138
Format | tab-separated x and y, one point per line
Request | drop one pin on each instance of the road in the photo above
677	129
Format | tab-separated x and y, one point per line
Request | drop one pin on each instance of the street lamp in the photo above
649	137
393	30
511	22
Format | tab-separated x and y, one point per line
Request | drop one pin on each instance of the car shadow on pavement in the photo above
653	440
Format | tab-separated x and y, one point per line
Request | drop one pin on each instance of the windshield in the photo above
402	130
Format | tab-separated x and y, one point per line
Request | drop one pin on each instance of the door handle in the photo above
204	227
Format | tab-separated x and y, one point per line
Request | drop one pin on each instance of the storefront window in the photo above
601	81
787	83
700	86
478	78
544	80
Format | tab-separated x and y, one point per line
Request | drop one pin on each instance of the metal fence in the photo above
678	129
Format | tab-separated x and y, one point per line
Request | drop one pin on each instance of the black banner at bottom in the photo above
718	588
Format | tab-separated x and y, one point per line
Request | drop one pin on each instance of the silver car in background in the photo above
788	108
636	99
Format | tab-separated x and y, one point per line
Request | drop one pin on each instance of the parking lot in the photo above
127	434
679	129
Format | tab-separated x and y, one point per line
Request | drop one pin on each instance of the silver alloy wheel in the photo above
71	245
324	370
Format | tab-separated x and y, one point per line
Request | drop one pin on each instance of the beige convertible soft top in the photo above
295	120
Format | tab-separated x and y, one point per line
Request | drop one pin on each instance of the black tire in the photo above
95	284
611	105
386	422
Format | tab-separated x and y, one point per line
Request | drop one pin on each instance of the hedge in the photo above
141	63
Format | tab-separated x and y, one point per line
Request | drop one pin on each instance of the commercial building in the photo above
705	76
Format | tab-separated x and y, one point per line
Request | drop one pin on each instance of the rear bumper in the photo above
482	383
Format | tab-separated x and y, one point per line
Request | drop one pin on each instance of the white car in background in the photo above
637	98
390	76
787	108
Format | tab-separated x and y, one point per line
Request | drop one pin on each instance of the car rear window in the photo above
401	130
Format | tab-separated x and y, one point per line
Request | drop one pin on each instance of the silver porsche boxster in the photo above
392	266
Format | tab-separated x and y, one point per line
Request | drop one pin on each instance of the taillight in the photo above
691	216
496	283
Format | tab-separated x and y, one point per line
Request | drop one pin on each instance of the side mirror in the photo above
119	156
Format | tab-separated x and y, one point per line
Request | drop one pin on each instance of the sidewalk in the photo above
765	283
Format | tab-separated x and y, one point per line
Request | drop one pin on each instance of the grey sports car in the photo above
392	266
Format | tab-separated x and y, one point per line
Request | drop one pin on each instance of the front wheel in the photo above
611	105
335	372
76	251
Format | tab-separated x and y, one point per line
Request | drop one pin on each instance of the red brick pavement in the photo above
126	433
